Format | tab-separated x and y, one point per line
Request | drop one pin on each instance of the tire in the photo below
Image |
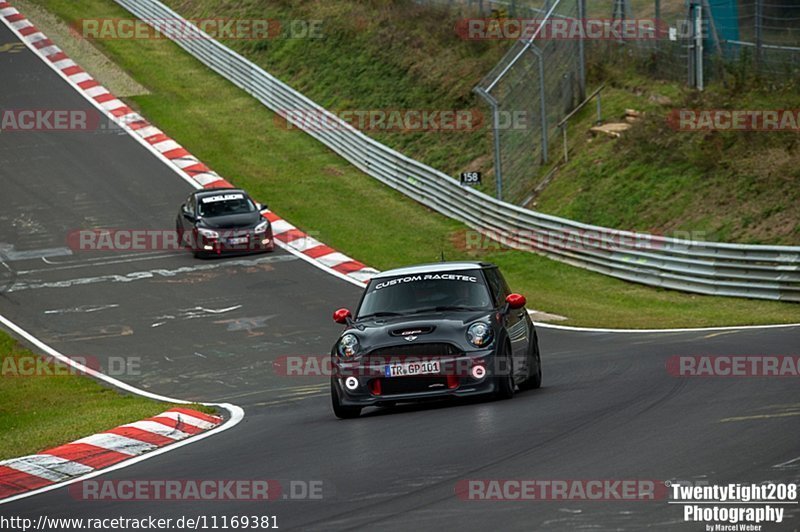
185	240
181	235
505	382
534	381
342	412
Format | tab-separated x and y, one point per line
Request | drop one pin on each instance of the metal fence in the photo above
761	36
539	80
767	272
750	37
543	78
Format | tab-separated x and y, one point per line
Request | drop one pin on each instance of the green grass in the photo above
718	186
318	191
55	406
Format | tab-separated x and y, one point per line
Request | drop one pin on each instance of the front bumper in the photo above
372	387
256	243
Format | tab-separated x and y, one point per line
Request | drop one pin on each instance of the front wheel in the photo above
534	381
340	411
504	376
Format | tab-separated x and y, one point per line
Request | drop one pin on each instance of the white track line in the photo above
648	331
787	463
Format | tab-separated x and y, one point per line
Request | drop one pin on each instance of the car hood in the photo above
232	221
436	327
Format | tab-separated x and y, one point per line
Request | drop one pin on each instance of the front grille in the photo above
402	385
437	350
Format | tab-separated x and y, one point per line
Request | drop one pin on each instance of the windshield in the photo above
225	205
462	290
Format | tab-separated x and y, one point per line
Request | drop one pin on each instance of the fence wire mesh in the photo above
540	80
533	87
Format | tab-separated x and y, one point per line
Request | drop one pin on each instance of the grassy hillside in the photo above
383	54
374	55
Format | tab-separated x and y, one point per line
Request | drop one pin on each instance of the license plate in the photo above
413	368
240	240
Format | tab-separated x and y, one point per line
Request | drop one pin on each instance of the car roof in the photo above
433	267
216	191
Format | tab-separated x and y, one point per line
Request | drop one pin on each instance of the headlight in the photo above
262	227
348	345
480	334
208	233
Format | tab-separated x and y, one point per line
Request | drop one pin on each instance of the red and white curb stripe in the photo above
184	163
299	243
100	451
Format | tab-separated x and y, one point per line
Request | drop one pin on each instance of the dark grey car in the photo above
223	220
433	331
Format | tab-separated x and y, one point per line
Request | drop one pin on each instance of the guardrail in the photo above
765	272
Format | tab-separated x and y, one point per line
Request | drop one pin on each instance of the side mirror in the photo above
261	207
342	316
516	301
186	213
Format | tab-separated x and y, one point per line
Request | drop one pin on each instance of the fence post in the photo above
599	109
498	171
690	45
620	10
698	36
581	53
759	23
542	104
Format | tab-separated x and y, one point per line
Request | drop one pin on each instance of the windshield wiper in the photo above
444	308
379	315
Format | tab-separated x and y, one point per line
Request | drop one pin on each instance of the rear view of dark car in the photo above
433	331
217	221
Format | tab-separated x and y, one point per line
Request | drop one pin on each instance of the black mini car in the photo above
219	220
433	331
